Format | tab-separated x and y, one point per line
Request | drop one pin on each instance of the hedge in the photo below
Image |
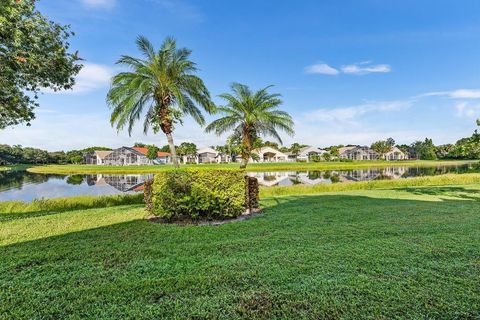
191	194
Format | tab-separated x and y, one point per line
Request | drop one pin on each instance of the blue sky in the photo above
349	71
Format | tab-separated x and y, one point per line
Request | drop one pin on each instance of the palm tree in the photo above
162	87
251	114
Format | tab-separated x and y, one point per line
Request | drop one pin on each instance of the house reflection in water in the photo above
121	182
287	178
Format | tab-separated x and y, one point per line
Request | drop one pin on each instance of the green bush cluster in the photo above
191	194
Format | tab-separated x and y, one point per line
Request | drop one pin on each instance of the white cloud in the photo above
348	114
321	68
456	94
360	68
92	77
365	67
105	4
467	110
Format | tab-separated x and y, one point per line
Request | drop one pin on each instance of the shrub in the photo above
192	194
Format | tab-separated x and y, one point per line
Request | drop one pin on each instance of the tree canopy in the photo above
161	87
251	114
33	55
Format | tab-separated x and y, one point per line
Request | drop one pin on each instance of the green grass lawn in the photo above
293	166
412	252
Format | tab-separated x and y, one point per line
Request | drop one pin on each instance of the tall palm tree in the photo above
251	114
161	87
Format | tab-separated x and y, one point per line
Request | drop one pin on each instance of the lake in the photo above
26	186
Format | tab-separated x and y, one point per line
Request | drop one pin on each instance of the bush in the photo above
192	194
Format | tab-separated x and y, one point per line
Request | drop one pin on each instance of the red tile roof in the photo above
145	151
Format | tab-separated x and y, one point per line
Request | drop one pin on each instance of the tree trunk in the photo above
173	152
244	162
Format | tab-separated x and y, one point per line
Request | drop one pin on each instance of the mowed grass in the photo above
411	252
285	166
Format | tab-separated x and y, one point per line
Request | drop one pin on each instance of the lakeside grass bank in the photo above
401	253
253	167
39	206
440	180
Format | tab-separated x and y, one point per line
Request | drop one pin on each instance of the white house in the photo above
307	152
268	154
395	154
96	157
358	153
210	155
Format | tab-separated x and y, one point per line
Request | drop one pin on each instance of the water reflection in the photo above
288	178
21	185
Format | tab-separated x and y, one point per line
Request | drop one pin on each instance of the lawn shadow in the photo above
444	191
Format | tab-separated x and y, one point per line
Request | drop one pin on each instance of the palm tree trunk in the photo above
173	152
244	162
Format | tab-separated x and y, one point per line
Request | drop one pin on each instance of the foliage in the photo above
424	150
383	146
152	152
17	154
295	148
378	254
198	194
162	85
467	148
33	55
188	149
8	208
251	114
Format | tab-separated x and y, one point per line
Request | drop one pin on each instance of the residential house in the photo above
96	157
207	155
307	153
358	153
395	154
269	154
125	156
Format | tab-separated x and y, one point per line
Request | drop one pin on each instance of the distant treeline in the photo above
18	154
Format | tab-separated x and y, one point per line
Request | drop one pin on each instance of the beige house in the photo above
268	154
395	154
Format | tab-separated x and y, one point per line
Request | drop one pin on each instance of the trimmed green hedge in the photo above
190	194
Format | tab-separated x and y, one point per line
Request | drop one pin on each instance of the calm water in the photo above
21	185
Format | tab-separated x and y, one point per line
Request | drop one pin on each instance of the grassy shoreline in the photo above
253	167
440	180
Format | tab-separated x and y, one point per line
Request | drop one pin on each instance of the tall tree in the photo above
295	148
251	114
152	152
33	55
162	87
187	149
